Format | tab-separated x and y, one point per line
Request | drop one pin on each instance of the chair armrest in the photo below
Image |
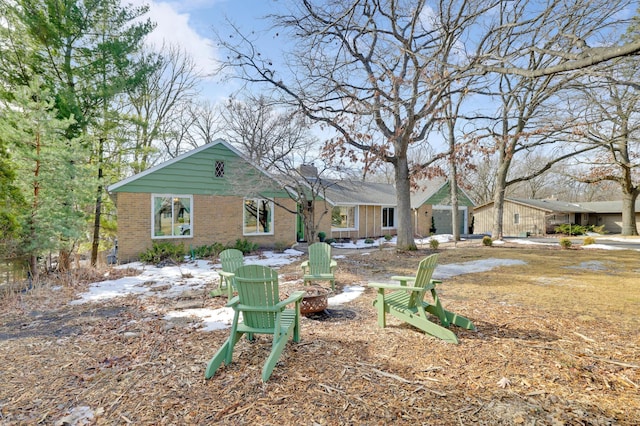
233	302
402	278
304	265
226	274
393	287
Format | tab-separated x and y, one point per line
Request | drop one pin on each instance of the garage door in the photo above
442	221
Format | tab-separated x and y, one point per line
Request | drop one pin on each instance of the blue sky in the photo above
190	24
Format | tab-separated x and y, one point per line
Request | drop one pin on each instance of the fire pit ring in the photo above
315	300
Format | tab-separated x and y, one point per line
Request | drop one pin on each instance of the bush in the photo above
571	229
245	246
330	240
487	241
565	243
163	251
280	247
434	244
204	251
588	241
322	236
368	241
387	237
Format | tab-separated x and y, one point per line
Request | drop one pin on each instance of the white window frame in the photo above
355	219
175	229
257	230
393	218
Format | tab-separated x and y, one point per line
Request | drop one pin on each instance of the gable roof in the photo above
360	193
194	172
551	205
557	206
436	191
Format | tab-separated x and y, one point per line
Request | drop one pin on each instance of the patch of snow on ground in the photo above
171	281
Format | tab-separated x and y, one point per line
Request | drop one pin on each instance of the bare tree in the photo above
262	132
363	63
368	61
156	105
281	142
611	115
545	42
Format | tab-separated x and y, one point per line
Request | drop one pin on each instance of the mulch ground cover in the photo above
560	358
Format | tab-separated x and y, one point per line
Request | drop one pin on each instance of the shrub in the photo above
434	244
387	237
565	243
162	251
322	236
588	241
245	246
487	241
330	240
280	247
368	241
212	250
571	229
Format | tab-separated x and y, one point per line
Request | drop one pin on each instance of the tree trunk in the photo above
96	223
629	213
498	200
405	239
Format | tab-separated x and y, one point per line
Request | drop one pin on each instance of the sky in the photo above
191	24
194	275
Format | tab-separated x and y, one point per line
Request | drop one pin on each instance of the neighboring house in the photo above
540	217
210	194
609	214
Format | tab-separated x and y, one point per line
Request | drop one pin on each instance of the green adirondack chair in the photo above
320	266
231	260
262	313
407	303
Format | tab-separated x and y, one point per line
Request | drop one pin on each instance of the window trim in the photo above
271	222
356	214
393	226
153	222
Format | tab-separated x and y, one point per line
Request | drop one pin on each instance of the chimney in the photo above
308	170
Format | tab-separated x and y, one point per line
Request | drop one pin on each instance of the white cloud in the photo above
175	28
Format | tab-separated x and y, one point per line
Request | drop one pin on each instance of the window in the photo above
219	169
344	217
172	216
516	218
388	217
258	216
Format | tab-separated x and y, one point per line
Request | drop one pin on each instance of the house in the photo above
540	217
214	194
609	214
210	194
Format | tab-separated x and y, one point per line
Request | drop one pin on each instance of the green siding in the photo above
195	174
443	197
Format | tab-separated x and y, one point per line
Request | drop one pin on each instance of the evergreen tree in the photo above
54	176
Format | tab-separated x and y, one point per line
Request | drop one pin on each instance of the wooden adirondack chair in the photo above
407	303
320	266
231	260
262	313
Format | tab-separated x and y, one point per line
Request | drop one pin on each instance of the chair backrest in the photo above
231	260
257	285
423	278
319	258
